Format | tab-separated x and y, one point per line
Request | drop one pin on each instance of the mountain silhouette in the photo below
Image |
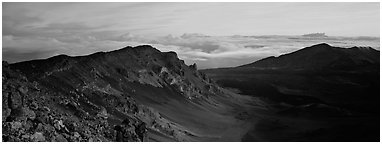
322	56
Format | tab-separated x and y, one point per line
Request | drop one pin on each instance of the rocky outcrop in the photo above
130	131
93	98
26	117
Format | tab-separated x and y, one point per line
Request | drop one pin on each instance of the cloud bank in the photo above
32	31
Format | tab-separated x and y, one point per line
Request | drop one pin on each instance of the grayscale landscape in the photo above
191	72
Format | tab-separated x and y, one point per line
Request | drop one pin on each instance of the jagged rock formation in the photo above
93	98
143	64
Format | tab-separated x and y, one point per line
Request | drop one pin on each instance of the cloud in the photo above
207	51
14	54
32	30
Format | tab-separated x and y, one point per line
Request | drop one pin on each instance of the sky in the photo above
41	30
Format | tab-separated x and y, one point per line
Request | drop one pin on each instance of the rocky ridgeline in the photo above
90	98
143	64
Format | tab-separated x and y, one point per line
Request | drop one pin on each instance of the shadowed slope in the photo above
318	93
175	100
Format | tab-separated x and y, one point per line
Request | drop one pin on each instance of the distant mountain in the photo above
131	94
318	93
315	35
322	56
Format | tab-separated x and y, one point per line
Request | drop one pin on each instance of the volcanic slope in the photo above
112	94
317	93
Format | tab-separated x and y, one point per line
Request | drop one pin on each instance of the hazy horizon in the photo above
42	30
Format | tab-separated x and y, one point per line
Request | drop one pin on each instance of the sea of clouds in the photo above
206	51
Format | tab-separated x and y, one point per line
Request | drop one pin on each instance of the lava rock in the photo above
37	137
